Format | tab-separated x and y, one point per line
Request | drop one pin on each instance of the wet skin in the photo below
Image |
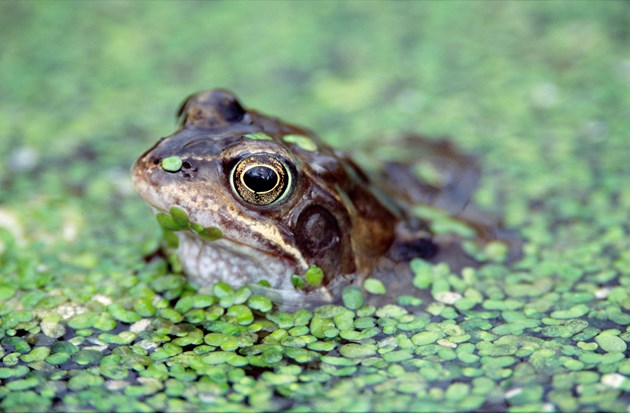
282	200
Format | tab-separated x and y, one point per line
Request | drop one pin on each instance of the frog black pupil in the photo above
260	179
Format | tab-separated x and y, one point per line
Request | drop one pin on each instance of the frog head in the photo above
263	199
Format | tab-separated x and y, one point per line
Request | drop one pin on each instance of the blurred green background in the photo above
535	89
539	91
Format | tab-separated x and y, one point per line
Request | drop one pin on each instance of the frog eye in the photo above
261	179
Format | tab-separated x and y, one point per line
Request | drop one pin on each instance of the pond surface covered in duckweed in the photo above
537	91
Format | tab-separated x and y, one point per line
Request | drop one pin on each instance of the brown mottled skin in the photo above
333	215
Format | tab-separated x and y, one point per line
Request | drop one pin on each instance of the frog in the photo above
264	202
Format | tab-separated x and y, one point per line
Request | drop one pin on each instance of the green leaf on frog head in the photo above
304	142
172	164
258	136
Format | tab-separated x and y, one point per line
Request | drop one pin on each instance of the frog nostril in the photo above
186	165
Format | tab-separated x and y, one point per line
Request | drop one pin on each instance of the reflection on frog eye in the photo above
261	179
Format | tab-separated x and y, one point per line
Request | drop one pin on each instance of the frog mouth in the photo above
235	245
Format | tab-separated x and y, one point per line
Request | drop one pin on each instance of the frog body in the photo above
282	201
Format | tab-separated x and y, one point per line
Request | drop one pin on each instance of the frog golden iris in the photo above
261	179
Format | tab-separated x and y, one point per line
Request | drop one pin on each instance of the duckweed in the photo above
304	142
167	222
209	233
374	286
172	163
94	317
314	275
260	303
241	314
610	342
177	220
352	297
37	354
297	281
258	136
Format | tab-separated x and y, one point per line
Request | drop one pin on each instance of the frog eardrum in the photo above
261	179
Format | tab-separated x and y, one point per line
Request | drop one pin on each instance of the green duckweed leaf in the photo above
172	164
